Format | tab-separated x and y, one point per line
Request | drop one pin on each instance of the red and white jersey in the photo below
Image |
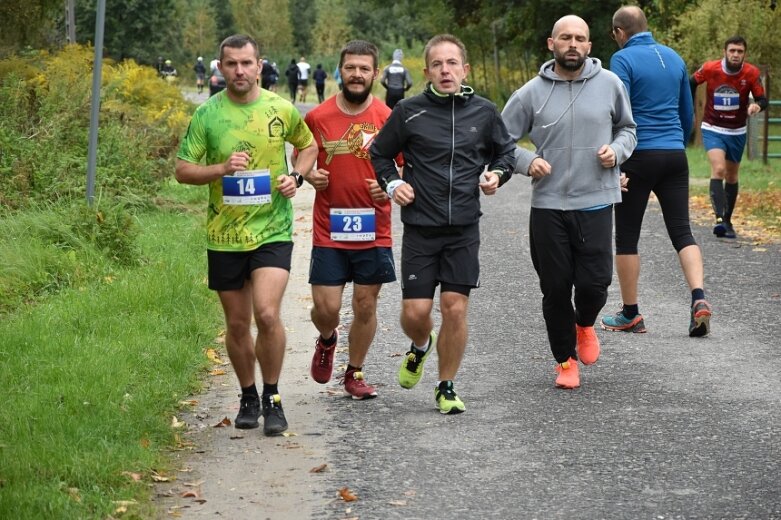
345	216
726	104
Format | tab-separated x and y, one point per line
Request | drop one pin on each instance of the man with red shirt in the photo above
351	238
727	107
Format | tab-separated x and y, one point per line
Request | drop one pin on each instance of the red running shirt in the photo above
726	104
345	216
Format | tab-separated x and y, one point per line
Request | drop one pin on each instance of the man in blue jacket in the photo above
448	136
578	116
658	85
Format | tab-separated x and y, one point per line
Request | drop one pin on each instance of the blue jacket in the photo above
658	85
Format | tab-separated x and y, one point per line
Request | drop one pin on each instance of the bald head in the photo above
631	19
567	23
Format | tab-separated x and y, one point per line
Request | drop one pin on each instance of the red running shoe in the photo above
323	360
357	387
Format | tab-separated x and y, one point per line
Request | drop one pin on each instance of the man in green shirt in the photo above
236	144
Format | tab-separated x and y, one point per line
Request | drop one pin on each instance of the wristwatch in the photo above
298	177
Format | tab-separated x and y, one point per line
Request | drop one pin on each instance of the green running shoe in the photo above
447	400
412	366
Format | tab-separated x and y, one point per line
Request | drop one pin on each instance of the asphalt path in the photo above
663	427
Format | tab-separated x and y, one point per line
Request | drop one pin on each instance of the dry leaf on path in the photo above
347	495
318	469
223	423
190	494
399	503
176	423
217	372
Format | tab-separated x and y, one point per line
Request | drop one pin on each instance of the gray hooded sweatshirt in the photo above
568	121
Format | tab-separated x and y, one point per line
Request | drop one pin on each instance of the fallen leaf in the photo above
190	494
144	442
234	437
399	503
410	493
120	510
157	477
217	372
347	495
189	402
194	484
290	434
133	476
124	503
223	423
760	249
318	469
74	494
214	356
176	423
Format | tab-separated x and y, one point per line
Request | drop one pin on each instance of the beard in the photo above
356	98
731	67
568	63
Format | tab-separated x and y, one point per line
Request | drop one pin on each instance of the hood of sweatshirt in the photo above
591	67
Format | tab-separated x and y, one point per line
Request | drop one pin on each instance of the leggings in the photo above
666	173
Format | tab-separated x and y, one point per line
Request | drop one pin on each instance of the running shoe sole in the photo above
637	327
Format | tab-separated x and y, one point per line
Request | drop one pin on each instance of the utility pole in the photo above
70	20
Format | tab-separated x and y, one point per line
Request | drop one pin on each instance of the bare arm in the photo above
198	174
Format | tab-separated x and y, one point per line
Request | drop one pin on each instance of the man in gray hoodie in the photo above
578	116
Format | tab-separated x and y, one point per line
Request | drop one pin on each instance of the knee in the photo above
454	307
364	309
237	325
266	318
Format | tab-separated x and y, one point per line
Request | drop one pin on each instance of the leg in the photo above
718	166
731	189
237	306
452	334
416	319
549	240
268	288
327	301
364	324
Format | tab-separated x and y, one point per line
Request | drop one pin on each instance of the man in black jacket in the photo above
448	136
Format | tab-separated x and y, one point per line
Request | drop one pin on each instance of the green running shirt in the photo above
220	127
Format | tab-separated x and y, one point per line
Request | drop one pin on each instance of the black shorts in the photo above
303	83
446	256
334	266
229	271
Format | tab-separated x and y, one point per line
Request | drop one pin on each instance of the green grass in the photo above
91	376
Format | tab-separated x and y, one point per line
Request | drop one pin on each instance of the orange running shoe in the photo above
569	375
588	345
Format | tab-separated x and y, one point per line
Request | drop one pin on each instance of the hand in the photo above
607	157
237	162
539	168
377	193
404	194
623	181
753	109
287	186
318	179
489	183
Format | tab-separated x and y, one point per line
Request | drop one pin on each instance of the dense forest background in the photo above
505	38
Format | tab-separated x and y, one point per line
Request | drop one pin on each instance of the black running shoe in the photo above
249	411
274	421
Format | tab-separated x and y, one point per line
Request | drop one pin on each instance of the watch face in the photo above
299	179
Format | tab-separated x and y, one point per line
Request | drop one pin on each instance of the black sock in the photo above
717	197
330	341
630	311
731	193
697	294
351	368
444	385
250	390
270	389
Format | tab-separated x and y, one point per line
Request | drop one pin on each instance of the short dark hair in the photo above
361	48
444	38
736	40
237	41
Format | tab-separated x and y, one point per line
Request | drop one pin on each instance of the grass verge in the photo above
91	378
758	212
